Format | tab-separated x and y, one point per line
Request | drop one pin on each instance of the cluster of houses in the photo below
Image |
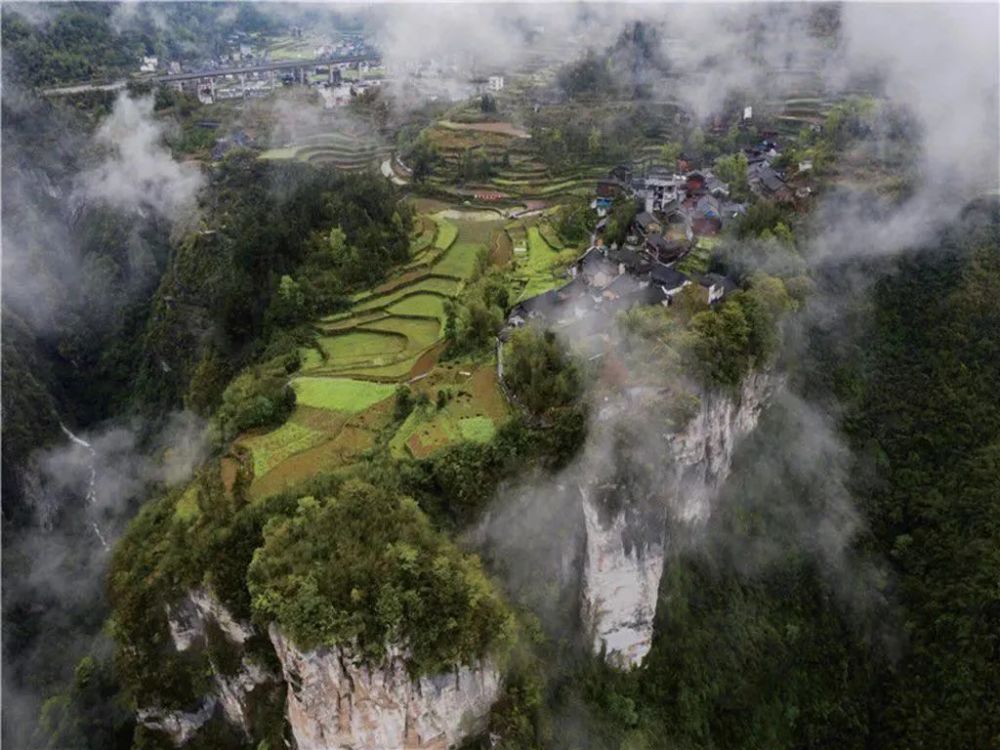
607	280
677	206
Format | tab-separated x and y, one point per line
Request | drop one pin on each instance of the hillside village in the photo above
674	209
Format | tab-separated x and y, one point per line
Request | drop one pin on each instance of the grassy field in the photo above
360	346
429	285
271	449
477	429
538	270
420	332
429	305
345	151
459	261
340	394
472	411
446	234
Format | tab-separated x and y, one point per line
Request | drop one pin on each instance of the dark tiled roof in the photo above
667	277
663	247
717	279
771	181
644	219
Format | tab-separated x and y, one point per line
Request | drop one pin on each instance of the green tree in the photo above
733	171
595	143
288	306
366	570
718	346
540	372
422	159
669	153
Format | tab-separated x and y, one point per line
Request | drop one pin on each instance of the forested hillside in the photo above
770	634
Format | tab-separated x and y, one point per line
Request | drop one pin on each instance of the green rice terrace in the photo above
393	334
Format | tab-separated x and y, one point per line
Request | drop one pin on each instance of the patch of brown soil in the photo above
229	467
501	248
426	361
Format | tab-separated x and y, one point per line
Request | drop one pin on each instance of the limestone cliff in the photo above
190	623
334	702
625	545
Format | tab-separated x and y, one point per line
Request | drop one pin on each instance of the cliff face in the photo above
625	548
189	623
335	703
331	702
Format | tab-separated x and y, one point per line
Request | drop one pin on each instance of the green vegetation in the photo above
539	270
326	506
740	334
540	373
477	429
274	447
575	220
771	643
620	218
733	171
358	347
459	261
444	285
254	399
474	320
345	151
364	568
425	305
338	394
469	411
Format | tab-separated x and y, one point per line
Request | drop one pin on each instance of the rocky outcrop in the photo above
335	702
190	622
181	726
625	545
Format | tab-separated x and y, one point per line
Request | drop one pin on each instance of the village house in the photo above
663	249
716	286
662	191
647	224
767	183
607	281
630	259
670	280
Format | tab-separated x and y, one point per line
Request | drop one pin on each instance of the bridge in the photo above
285	65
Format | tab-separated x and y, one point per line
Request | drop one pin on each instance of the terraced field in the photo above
339	394
391	334
425	305
473	411
539	269
345	151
